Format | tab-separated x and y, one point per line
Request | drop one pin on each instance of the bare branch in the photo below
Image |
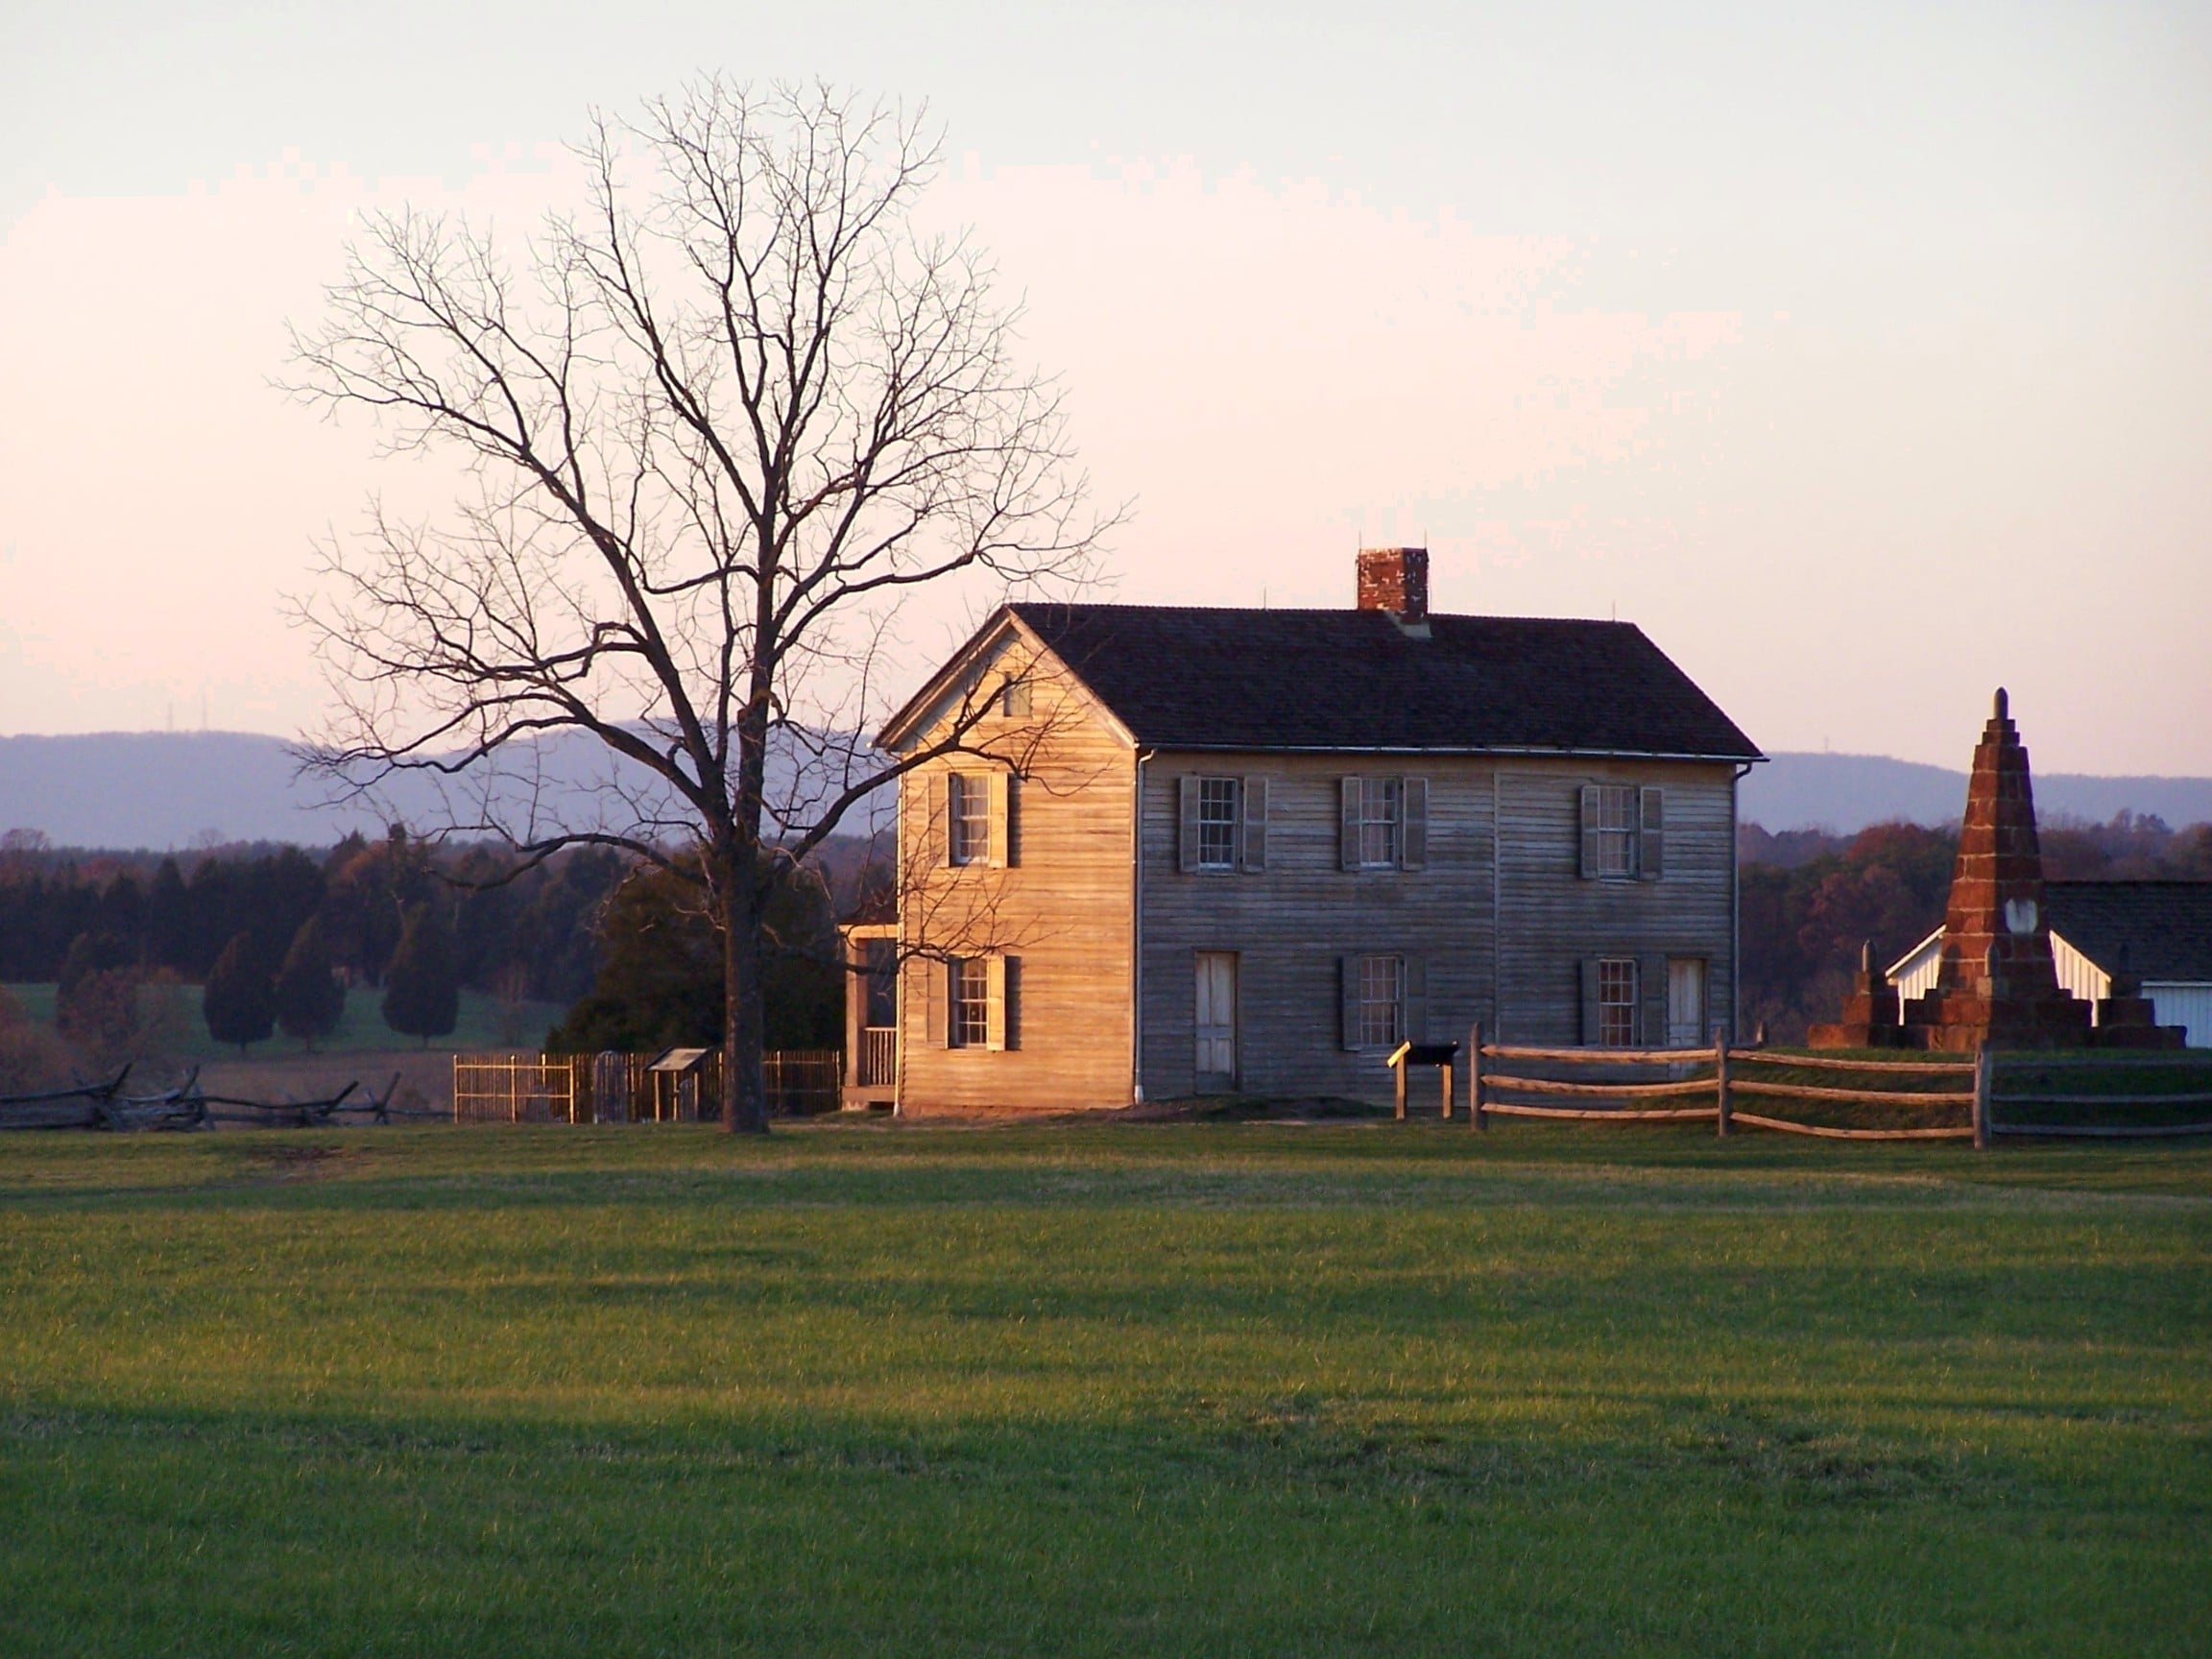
717	422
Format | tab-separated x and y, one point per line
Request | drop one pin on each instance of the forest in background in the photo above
637	966
1811	898
627	950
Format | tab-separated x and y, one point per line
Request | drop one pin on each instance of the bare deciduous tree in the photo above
719	421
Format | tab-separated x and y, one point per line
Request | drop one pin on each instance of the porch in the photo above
871	1017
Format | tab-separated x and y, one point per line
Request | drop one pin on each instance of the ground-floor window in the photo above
970	1003
1381	1001
1617	1002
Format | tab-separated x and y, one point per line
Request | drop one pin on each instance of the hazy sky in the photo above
1862	355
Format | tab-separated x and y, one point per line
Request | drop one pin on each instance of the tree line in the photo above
1811	898
277	935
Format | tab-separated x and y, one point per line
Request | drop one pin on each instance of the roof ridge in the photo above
1305	611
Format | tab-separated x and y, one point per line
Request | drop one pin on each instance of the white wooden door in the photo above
1216	1017
1686	1002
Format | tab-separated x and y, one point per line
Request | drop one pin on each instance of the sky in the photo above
1859	353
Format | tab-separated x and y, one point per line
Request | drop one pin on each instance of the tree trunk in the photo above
744	1092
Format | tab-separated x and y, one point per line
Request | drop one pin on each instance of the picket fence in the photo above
618	1088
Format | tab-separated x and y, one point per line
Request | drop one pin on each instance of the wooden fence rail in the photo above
1722	1063
187	1106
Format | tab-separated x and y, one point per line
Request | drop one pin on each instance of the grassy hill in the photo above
1112	1391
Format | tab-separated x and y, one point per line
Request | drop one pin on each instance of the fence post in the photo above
1480	1118
1721	1094
1984	1065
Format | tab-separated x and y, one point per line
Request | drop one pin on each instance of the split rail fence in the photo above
1950	1089
104	1105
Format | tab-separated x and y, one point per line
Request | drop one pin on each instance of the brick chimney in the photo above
1396	580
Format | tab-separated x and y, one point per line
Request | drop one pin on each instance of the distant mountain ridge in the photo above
1846	792
164	789
127	790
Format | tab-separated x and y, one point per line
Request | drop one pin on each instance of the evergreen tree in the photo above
169	918
241	1003
421	998
310	1001
659	981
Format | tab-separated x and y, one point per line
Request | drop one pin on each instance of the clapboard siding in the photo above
1291	923
1551	918
1499	916
1061	906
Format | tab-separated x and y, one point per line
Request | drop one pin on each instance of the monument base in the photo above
1961	1023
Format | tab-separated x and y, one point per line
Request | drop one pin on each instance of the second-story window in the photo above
1384	823
1221	824
1616	832
1380	820
1624	832
967	818
1217	823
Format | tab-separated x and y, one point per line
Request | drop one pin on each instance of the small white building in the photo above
2163	927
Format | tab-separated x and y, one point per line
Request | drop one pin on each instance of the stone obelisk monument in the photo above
1996	982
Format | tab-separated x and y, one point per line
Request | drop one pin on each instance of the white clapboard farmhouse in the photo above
1194	850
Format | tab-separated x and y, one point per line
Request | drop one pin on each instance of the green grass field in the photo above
1172	1389
484	1023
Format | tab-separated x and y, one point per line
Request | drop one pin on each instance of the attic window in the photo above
1014	700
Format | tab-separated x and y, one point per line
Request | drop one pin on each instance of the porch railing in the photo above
879	1065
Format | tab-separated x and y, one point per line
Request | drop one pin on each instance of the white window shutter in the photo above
1000	785
1348	1002
940	817
1187	824
1589	836
1413	833
994	1014
1252	802
1593	1019
1416	1021
1348	824
1651	834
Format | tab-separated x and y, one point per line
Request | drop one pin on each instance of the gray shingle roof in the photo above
2166	925
1192	678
